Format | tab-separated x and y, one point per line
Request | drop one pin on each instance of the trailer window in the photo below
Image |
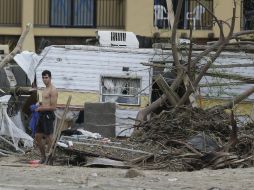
120	90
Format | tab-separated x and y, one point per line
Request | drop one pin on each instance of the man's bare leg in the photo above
40	144
49	140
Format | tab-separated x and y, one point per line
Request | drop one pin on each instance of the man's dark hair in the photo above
46	72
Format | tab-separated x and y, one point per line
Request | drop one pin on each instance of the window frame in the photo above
121	77
71	25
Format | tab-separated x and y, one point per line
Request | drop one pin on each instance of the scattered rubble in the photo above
181	139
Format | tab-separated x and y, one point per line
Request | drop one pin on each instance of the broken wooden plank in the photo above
86	153
114	147
105	162
171	95
82	139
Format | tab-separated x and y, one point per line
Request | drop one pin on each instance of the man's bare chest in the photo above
46	94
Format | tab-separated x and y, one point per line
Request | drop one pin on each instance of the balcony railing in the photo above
192	11
80	13
10	12
247	15
201	19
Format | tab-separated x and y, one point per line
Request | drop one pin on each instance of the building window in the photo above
161	14
75	13
248	14
120	90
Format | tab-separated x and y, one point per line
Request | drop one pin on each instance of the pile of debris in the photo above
182	139
190	139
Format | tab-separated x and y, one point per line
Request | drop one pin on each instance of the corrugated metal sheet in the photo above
124	122
92	62
79	68
228	88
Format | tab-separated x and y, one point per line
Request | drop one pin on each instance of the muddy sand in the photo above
17	175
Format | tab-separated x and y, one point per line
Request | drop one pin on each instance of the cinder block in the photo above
100	118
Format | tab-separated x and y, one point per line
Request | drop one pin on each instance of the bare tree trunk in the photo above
142	114
181	70
171	14
18	47
222	44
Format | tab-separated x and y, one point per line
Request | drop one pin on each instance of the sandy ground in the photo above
15	175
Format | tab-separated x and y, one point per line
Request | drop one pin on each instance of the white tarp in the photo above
8	127
28	61
18	121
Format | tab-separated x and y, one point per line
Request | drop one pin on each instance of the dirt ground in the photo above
17	175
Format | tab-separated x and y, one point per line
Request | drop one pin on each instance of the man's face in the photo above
46	79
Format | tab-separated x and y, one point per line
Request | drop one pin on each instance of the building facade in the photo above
72	21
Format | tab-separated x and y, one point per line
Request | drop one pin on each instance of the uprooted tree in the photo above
191	72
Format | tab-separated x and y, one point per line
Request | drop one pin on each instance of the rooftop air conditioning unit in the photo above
117	38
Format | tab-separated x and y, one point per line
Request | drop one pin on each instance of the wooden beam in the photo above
171	95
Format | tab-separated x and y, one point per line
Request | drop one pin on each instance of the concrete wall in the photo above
138	18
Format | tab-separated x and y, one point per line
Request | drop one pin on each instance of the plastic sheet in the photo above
9	129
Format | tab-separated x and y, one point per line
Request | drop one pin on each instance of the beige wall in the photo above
75	32
28	17
224	11
138	19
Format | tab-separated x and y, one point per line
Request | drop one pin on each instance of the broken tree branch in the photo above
233	136
18	47
210	61
174	37
247	80
238	99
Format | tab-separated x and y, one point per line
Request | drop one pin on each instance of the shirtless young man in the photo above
46	109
